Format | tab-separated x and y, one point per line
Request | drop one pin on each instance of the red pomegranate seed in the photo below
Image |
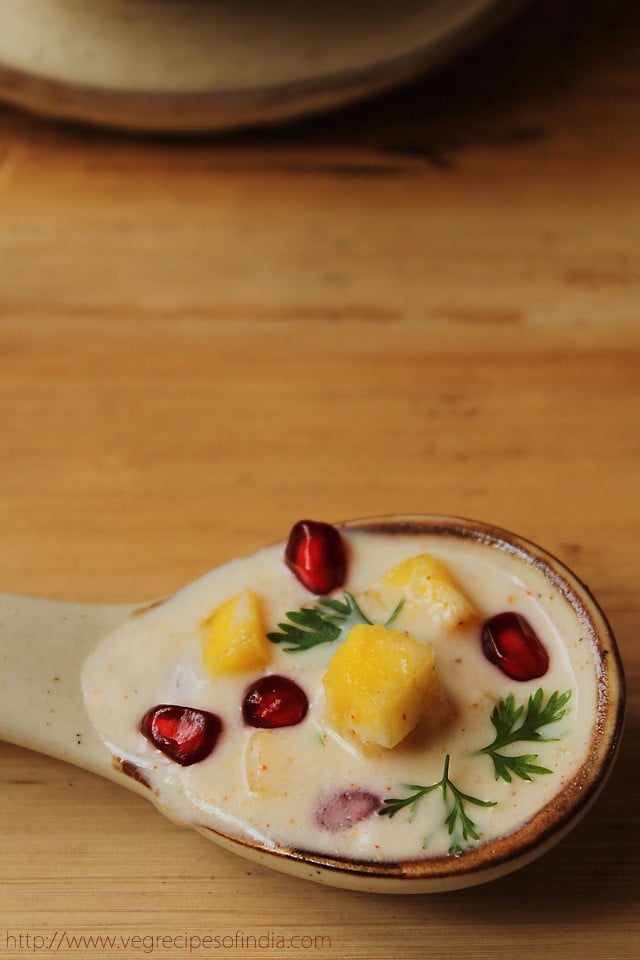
509	641
184	734
274	701
343	810
316	555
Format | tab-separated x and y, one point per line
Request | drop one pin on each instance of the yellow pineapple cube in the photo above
425	582
234	637
379	684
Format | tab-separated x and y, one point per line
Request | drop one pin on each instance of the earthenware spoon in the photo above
44	643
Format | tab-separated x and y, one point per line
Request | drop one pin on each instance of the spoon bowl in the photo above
187	66
45	647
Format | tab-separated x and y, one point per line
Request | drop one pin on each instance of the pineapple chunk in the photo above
270	767
427	583
234	638
379	684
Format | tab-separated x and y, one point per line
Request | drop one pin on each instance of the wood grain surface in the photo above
429	303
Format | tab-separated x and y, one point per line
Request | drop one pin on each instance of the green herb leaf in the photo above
457	820
521	725
325	622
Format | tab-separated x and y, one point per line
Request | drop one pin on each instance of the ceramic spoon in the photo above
44	643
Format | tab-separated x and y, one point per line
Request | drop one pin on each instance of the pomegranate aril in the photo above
185	734
315	553
274	701
510	642
343	810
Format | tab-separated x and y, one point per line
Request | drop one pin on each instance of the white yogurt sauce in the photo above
267	785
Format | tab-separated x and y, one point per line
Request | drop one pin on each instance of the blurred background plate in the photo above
201	65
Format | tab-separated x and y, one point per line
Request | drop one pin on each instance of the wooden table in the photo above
428	303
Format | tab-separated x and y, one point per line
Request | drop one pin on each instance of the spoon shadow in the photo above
517	86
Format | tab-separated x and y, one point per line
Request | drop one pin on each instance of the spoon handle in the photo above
42	647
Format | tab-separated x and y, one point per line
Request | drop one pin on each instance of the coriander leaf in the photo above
457	820
325	622
522	725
